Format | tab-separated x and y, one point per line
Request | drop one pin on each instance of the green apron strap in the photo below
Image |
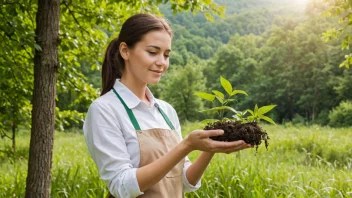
165	116
129	112
133	118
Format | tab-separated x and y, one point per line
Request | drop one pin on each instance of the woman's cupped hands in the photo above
200	140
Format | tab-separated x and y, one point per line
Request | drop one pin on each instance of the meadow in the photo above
301	161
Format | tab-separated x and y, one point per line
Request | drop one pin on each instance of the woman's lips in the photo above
157	71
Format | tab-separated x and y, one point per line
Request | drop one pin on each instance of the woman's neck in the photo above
136	87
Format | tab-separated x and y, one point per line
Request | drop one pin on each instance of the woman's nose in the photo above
162	61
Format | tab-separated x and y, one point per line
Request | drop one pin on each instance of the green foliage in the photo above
256	115
177	88
343	85
341	116
207	7
342	10
226	85
196	35
16	43
206	96
288	65
298	120
322	119
68	119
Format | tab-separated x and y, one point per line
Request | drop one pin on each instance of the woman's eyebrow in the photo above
158	48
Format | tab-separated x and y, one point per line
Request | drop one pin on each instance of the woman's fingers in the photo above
210	133
225	147
199	140
245	146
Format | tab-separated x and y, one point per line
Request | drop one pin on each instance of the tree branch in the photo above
3	134
74	18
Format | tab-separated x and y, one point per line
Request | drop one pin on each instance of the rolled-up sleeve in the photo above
187	187
108	149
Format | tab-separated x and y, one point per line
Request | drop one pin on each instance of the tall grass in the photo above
300	162
73	175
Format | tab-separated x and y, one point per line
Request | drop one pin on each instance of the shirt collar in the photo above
129	97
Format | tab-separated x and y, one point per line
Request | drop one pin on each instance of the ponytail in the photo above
132	31
113	66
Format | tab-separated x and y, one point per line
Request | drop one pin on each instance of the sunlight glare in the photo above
301	2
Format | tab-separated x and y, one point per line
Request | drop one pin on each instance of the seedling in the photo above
242	125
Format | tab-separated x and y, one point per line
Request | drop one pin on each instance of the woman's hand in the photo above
199	140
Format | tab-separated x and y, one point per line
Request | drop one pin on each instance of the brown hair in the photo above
132	31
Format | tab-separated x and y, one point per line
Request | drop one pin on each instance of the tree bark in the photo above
43	113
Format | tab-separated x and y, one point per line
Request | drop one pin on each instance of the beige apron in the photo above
153	144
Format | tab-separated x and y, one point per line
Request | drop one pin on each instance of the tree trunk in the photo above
43	114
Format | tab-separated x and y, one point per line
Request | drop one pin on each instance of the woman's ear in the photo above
124	51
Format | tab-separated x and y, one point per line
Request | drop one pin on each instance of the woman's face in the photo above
148	59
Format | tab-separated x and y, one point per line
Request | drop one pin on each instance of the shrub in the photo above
323	118
298	120
341	116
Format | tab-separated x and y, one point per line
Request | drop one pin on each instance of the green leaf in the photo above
207	2
226	85
221	100
37	47
265	109
256	110
239	115
218	93
267	119
180	1
205	96
234	92
222	10
220	109
208	16
347	62
250	111
220	96
243	112
250	118
231	99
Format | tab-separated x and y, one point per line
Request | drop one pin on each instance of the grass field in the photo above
301	162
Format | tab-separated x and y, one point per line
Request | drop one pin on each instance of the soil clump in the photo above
251	132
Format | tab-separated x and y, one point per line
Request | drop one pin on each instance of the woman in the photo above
135	139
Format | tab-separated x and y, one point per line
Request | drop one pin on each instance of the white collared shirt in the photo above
112	140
